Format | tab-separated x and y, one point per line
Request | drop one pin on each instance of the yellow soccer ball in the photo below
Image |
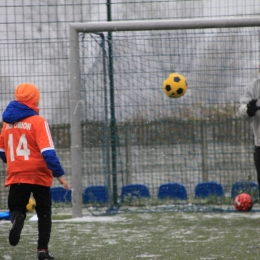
175	86
31	205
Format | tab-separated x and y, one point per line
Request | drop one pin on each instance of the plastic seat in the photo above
60	194
207	189
172	190
244	186
135	190
97	194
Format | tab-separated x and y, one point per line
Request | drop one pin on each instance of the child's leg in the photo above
43	209
18	198
257	165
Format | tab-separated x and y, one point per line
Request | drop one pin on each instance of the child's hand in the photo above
63	182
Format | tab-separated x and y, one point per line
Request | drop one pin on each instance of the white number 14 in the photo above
22	148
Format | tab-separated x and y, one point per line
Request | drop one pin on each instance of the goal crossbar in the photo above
165	24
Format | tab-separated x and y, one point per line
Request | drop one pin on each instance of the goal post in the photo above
76	103
75	126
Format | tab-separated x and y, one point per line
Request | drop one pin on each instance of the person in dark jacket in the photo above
250	109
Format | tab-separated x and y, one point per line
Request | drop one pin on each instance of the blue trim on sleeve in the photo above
53	163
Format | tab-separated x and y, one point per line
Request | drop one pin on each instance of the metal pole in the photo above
204	157
112	107
106	124
75	125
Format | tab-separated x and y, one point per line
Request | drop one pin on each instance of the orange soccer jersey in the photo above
23	143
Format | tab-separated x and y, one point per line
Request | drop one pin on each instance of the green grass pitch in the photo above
164	236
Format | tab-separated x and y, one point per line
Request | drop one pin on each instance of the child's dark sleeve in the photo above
2	148
2	155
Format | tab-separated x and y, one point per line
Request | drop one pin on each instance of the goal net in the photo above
147	150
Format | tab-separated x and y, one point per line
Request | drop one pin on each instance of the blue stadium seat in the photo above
172	190
97	194
135	191
244	186
60	194
207	189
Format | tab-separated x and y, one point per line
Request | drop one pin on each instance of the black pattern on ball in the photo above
179	91
176	79
168	88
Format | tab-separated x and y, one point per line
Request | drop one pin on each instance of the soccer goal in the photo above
142	149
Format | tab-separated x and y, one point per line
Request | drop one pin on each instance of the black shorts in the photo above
19	195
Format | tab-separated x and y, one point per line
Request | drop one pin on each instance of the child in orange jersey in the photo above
26	147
